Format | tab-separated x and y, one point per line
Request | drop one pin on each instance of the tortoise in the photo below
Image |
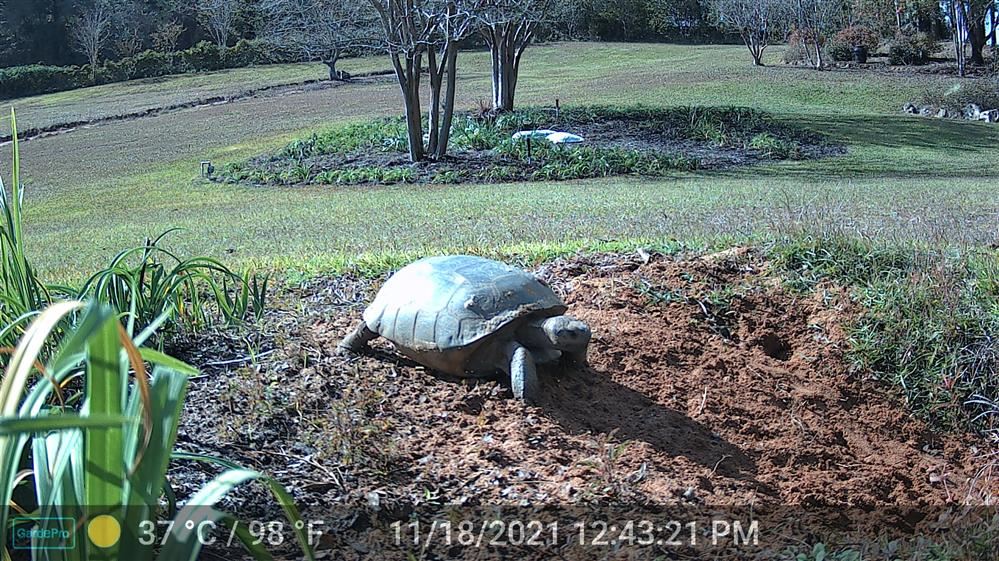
470	317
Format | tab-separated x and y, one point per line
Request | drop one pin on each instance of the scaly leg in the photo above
523	373
358	339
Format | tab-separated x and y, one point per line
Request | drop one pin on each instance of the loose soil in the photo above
708	385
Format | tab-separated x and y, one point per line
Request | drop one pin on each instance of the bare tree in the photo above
318	29
414	29
128	43
219	17
813	19
508	27
166	36
90	32
756	21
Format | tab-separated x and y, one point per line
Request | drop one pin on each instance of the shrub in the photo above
246	53
912	48
150	64
842	44
33	79
18	81
799	46
203	56
116	71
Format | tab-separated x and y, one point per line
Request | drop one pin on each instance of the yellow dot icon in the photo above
104	531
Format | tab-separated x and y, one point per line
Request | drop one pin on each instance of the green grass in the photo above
904	178
139	95
927	321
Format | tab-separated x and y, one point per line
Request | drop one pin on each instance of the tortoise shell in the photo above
447	303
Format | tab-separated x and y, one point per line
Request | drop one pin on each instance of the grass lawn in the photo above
139	95
97	190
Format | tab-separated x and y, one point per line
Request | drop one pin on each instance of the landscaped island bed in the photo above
617	141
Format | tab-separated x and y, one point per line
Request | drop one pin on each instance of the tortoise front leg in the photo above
576	358
358	339
523	372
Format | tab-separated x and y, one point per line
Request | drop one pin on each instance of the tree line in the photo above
62	32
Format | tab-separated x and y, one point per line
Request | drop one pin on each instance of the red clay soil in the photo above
708	384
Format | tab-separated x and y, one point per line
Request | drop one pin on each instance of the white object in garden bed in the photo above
564	138
534	134
555	137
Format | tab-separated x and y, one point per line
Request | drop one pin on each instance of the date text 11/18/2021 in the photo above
590	533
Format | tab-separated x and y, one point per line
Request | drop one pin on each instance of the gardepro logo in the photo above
43	533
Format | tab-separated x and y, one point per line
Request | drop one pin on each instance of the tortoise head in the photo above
566	333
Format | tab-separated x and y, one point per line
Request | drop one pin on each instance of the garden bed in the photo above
637	141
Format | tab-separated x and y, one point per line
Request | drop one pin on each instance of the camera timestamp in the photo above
586	533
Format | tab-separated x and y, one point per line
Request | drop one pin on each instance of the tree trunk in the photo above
436	77
754	47
958	22
331	63
451	55
93	56
408	75
995	34
978	38
819	63
507	43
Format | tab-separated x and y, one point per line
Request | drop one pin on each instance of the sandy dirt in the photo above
708	385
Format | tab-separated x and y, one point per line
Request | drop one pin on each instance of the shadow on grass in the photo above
904	131
889	147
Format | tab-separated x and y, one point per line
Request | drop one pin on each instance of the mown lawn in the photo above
100	189
139	95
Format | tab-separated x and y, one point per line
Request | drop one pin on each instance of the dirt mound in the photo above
708	384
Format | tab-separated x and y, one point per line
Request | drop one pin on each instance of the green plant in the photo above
148	281
819	553
22	294
205	55
493	135
927	325
34	79
141	283
107	457
842	44
983	92
912	48
772	147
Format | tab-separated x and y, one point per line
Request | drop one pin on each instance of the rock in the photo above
991	116
910	108
943	114
972	111
926	111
